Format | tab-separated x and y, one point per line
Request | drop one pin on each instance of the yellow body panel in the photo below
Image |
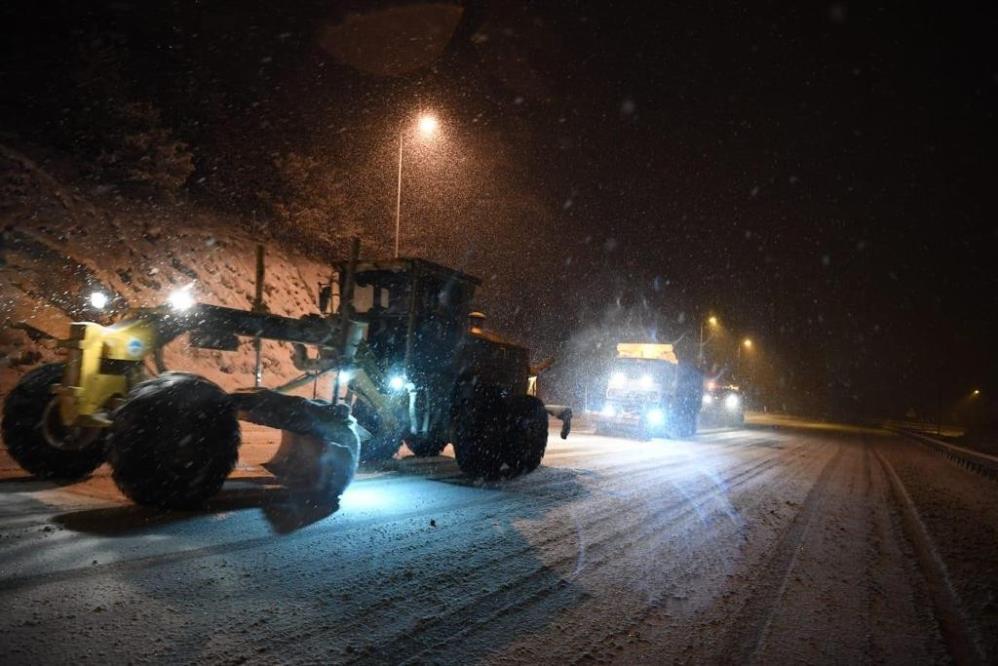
87	386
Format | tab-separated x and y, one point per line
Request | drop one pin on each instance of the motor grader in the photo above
411	363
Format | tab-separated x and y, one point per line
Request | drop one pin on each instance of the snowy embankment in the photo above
58	244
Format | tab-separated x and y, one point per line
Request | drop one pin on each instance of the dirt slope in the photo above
58	243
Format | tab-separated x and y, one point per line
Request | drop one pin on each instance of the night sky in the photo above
819	175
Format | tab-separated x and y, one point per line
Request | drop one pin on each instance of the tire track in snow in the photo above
480	568
319	532
482	611
595	638
750	625
338	624
962	644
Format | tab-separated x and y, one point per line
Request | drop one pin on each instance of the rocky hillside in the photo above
59	241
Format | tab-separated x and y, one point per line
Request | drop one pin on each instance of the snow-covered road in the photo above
785	541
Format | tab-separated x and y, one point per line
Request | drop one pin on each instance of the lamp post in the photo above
426	125
747	345
712	322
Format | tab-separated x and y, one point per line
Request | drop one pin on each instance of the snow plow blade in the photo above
320	442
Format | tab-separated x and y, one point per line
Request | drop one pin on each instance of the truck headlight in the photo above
732	401
608	410
655	417
618	380
708	399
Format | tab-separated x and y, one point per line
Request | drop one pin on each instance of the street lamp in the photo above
745	344
712	323
427	125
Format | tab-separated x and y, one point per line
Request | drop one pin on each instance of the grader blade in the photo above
320	442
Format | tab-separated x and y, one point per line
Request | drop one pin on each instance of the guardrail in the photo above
975	460
925	428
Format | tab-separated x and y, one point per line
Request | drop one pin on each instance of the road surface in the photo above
784	541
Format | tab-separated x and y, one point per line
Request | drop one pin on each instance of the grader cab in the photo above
410	360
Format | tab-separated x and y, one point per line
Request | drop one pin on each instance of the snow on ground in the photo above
768	544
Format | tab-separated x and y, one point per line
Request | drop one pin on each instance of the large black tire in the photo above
26	417
686	423
526	434
480	426
174	441
384	442
425	447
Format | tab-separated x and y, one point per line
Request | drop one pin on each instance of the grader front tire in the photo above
30	424
174	441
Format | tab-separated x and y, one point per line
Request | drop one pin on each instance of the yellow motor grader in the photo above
410	360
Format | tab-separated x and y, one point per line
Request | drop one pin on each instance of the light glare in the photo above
98	300
181	299
428	125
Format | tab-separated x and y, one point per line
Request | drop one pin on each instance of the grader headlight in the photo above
181	299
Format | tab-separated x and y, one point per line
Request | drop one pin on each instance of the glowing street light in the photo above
426	126
976	392
747	345
713	323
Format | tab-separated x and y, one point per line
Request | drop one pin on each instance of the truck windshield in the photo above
633	374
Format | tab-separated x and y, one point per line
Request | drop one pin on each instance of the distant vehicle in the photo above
650	392
723	406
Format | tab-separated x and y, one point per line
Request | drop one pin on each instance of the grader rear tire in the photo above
480	424
526	434
174	441
30	422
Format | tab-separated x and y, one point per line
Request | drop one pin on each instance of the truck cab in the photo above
650	393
